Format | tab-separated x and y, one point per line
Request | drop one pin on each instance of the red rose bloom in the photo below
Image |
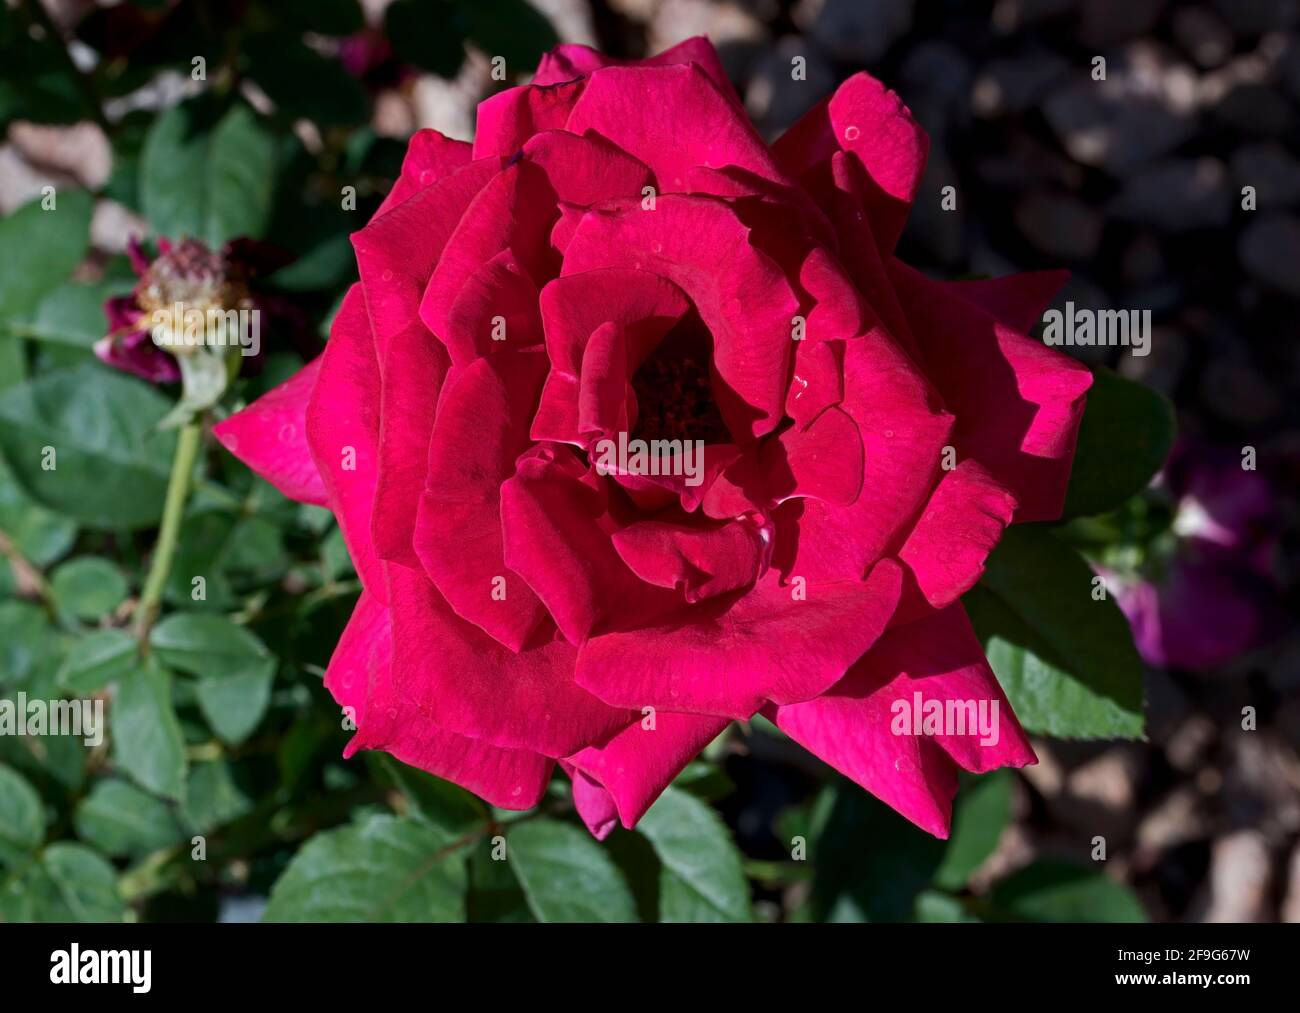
618	260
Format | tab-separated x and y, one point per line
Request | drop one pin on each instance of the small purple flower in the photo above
370	58
1214	596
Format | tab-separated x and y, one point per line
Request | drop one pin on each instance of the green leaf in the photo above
427	34
95	660
212	798
13	360
70	314
705	780
40	248
107	466
22	818
39	535
303	83
27	641
702	879
495	895
234	705
234	667
439	803
207	645
60	758
1125	436
120	819
36	82
512	29
147	741
1049	891
207	177
88	587
936	906
1066	661
387	869
565	874
70	883
871	863
981	813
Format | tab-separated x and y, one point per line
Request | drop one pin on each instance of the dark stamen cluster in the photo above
675	400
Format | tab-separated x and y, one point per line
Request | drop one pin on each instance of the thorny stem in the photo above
178	487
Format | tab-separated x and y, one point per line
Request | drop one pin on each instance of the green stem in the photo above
178	487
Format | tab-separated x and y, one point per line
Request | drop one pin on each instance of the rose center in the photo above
674	392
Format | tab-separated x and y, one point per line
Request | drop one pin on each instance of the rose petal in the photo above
903	433
1018	300
134	352
482	427
343	432
673	118
718	657
565	62
870	122
399	249
642	306
962	522
514	211
474	686
429	157
637	764
1018	403
360	676
822	460
507	119
495	310
594	804
586	170
700	560
852	726
748	308
270	436
557	525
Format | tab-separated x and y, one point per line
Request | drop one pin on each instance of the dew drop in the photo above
851	133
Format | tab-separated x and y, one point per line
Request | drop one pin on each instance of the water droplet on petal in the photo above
851	133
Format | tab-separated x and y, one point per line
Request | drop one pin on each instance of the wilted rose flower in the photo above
1212	594
617	258
186	275
192	313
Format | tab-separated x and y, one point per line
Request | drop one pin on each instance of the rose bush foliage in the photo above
655	269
